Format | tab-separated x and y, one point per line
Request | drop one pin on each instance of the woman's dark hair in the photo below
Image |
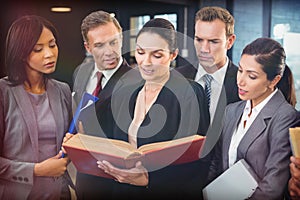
164	29
270	54
21	38
287	87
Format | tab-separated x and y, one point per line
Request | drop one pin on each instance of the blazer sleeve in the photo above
276	172
10	170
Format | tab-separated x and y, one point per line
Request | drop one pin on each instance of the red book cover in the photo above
85	150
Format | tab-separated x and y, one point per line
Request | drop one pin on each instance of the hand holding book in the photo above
138	175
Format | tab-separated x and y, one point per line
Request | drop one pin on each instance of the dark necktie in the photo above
207	79
98	87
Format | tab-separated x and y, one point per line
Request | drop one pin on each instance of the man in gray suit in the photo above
102	35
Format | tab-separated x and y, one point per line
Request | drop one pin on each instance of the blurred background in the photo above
278	19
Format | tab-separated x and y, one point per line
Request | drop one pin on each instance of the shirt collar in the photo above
107	73
259	106
219	75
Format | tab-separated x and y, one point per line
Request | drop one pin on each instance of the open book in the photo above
295	140
85	150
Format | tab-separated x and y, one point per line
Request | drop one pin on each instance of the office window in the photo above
137	22
171	17
286	30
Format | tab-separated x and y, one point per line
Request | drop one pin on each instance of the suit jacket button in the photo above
20	178
15	178
26	179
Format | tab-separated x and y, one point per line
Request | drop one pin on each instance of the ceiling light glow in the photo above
61	9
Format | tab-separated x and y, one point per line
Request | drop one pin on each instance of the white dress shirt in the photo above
107	74
216	85
241	130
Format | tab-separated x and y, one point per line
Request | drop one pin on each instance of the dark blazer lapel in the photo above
113	81
54	98
230	83
231	71
27	111
193	70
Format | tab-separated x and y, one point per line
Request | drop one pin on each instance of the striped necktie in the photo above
207	79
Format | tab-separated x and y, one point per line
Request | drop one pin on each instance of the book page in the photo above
107	146
160	145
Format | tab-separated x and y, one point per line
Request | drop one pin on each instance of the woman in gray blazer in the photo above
35	112
257	128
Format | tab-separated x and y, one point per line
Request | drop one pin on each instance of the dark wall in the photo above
71	49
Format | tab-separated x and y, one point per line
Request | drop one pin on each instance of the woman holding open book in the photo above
257	128
163	107
35	111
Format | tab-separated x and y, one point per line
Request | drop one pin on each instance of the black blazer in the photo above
229	94
173	115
